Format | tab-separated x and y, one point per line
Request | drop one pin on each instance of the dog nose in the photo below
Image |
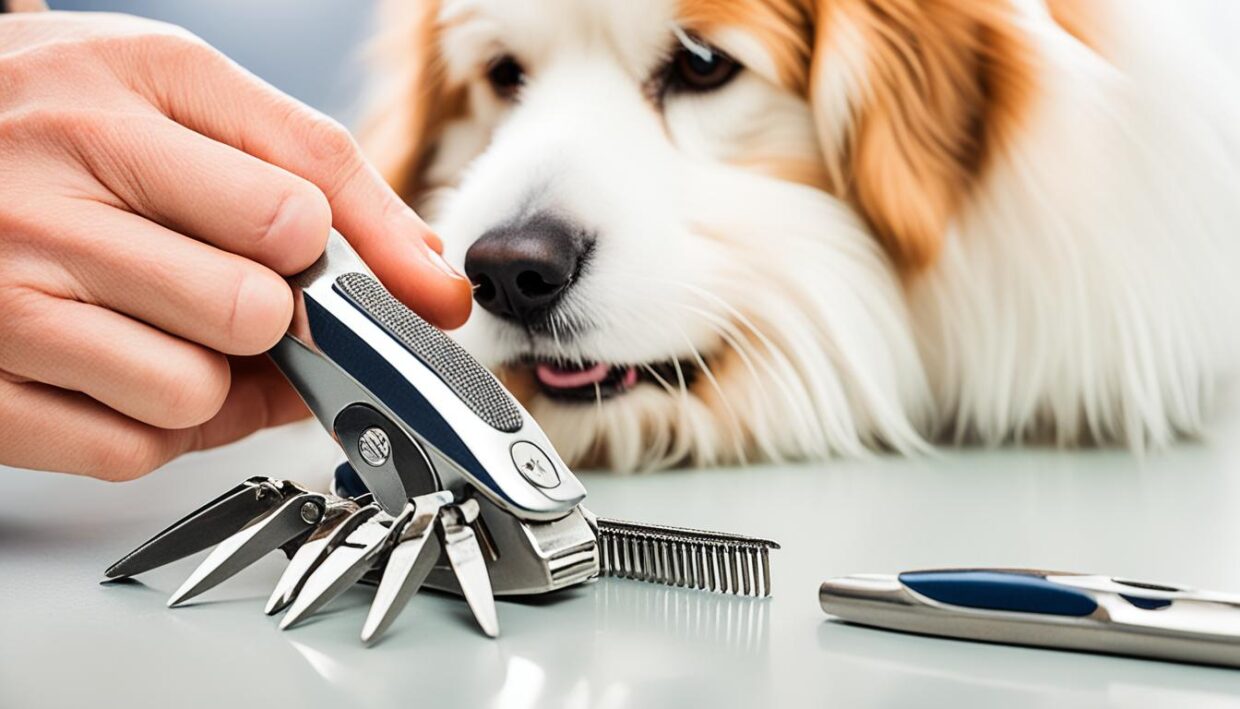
520	271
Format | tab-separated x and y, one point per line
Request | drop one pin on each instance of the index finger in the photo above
208	93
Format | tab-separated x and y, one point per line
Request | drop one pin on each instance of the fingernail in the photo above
432	240
438	262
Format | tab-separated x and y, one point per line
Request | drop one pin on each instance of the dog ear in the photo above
411	100
910	98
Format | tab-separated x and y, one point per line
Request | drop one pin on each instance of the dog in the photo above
705	232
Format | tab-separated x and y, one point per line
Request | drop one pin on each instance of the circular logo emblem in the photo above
534	465
374	446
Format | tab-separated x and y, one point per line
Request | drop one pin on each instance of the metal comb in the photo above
690	558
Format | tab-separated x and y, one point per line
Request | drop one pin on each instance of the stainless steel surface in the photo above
407	566
618	643
323	541
531	557
263	536
327	391
460	545
1195	628
205	527
343	567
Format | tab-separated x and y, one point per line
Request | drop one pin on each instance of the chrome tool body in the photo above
449	482
1046	609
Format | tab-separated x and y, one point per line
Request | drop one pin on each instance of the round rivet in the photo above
310	513
374	446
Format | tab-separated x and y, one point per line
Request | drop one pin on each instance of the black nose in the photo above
520	271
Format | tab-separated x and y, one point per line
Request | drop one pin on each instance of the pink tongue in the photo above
571	378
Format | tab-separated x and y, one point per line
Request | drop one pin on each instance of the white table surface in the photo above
67	641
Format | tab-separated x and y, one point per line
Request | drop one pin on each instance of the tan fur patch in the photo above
403	131
947	83
1084	19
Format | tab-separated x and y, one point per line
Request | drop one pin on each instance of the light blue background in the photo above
308	48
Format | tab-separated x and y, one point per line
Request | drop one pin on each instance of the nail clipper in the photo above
449	482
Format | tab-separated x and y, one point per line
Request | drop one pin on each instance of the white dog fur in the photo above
1084	290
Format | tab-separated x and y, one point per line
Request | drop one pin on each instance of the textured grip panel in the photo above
468	379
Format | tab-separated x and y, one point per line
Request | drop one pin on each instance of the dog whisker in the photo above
734	422
736	342
776	363
659	379
555	335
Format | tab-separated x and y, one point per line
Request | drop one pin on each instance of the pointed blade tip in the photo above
492	631
275	604
289	620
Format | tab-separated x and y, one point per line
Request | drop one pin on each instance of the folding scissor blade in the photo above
204	527
470	567
311	554
342	568
298	515
407	568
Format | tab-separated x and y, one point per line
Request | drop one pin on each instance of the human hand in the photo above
154	195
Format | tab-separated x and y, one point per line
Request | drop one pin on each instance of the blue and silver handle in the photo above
413	412
1045	609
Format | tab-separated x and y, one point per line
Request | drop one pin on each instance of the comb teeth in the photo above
689	558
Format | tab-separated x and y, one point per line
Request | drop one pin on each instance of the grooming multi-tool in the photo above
1046	609
448	481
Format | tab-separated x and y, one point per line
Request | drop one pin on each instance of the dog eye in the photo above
506	75
701	71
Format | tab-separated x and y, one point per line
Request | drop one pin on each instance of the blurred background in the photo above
311	49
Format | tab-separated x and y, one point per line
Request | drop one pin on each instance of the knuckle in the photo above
85	125
22	311
50	124
16	306
22	71
54	57
332	147
42	120
170	43
193	395
131	453
16	317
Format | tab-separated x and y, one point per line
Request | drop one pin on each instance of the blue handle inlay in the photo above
377	374
1000	591
348	482
1149	604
